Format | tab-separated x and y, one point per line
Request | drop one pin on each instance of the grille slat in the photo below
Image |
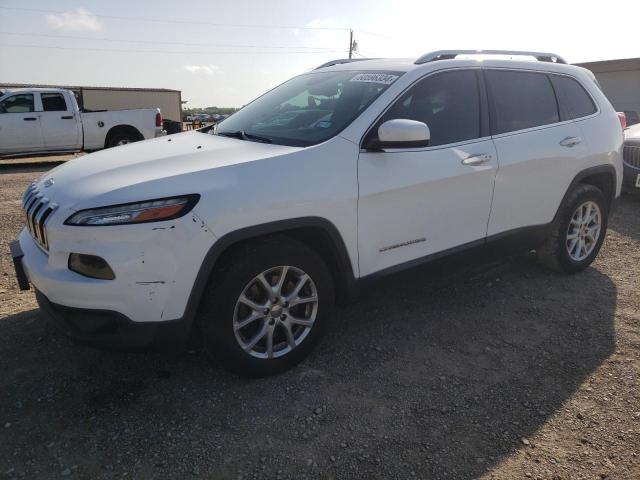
37	210
32	222
28	192
631	155
43	231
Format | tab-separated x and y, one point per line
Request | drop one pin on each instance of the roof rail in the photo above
450	54
341	60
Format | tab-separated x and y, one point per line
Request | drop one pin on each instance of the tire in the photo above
121	138
221	308
559	252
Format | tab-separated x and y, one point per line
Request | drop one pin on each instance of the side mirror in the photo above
402	133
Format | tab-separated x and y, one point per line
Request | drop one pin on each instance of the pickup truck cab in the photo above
248	233
49	120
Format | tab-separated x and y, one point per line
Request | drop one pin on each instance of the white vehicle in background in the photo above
248	233
47	120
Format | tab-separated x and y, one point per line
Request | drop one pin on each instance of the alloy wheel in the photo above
583	231
275	312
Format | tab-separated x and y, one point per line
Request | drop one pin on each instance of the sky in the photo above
223	53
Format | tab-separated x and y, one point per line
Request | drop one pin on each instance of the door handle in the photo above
477	159
67	117
570	141
30	119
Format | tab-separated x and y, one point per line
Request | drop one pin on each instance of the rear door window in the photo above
521	100
575	102
53	102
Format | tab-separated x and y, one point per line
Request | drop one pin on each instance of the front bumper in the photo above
105	328
17	255
112	330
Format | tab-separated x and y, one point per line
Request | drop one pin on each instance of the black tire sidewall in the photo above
217	309
580	196
113	141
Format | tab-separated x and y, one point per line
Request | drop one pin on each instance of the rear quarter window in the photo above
521	100
575	102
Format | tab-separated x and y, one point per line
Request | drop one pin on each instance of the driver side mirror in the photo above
401	133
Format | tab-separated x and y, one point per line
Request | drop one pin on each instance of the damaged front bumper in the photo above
112	330
155	267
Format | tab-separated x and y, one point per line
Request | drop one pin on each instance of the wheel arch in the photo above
602	177
316	232
122	128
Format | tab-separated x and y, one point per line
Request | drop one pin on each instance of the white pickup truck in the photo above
49	120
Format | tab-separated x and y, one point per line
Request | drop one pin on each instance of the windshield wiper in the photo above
242	135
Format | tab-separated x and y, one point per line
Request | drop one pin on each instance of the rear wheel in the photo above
578	232
121	138
266	307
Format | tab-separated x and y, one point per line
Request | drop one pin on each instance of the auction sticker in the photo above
383	78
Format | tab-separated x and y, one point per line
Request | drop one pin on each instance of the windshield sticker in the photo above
323	124
383	78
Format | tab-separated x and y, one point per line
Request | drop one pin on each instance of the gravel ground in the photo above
49	160
481	368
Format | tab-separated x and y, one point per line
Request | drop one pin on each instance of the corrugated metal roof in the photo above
83	87
622	64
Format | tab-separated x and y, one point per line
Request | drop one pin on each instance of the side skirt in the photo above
513	241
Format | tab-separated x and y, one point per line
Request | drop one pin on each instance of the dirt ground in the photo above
481	368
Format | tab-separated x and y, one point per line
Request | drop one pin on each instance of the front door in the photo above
416	202
20	129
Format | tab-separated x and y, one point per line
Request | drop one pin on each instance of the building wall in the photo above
167	102
622	88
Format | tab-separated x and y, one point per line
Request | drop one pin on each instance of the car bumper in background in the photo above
631	179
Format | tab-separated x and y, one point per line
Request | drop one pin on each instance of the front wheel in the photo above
578	232
266	307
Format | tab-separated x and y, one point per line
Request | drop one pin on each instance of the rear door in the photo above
414	202
20	129
538	149
60	125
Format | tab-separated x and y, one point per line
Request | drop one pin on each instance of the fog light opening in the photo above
90	266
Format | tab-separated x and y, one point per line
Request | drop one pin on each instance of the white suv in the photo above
248	234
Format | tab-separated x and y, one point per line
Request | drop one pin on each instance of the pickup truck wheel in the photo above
266	307
578	232
121	138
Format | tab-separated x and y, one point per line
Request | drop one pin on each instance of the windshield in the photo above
308	109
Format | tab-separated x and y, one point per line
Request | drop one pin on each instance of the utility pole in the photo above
350	43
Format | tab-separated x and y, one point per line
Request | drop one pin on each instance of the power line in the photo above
374	34
185	52
188	22
158	42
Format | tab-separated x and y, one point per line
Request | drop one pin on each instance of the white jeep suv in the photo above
248	234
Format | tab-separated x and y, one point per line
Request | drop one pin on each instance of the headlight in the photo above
139	212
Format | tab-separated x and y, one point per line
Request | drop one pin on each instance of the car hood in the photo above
173	165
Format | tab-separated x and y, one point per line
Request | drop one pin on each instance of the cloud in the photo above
76	20
208	69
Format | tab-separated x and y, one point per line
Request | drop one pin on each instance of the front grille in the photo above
37	209
631	155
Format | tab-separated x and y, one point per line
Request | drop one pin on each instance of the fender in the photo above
588	172
339	251
121	127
